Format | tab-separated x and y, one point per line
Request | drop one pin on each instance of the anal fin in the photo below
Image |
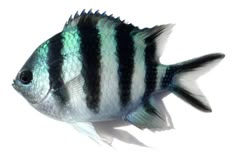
150	114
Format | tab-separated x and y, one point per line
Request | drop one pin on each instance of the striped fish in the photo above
98	68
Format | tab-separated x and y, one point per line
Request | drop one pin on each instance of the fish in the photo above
101	69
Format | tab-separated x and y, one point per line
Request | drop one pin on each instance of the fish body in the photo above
98	68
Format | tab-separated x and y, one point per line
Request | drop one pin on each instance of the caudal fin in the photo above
183	83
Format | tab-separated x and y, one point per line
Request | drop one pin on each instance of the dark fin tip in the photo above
204	108
222	55
191	99
208	110
217	55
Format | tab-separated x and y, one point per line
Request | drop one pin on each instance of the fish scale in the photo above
109	75
71	65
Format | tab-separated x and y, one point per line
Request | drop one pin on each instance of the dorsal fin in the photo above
94	17
157	35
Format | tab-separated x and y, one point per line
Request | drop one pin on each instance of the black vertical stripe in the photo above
151	69
55	62
125	53
90	53
167	79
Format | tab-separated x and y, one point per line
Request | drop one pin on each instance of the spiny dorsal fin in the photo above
94	17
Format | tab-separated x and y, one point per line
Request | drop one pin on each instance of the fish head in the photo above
32	81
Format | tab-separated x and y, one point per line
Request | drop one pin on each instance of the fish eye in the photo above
26	77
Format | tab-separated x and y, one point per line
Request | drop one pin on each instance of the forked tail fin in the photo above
185	74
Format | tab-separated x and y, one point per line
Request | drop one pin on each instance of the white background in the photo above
202	27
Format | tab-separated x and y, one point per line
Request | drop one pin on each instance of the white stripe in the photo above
138	78
109	102
71	45
76	108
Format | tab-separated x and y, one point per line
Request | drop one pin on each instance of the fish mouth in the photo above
15	86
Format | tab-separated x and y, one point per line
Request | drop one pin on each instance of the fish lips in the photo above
14	85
